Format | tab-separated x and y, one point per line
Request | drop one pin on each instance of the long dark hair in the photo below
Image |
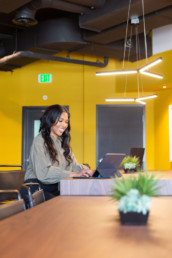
48	119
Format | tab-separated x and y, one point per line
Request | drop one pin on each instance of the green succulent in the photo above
134	202
145	183
130	162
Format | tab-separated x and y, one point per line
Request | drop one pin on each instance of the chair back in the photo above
9	195
11	179
38	197
9	209
32	194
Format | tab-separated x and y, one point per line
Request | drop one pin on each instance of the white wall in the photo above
162	39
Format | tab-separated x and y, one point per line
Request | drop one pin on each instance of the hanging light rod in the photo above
155	75
142	70
117	72
147	66
122	99
139	100
148	97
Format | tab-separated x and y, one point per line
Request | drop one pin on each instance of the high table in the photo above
86	227
101	186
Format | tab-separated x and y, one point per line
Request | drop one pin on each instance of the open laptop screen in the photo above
138	152
109	165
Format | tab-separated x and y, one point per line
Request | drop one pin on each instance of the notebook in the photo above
108	166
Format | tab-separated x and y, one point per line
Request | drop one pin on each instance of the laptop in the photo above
108	166
138	152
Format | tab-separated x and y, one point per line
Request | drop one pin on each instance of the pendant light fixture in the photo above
144	70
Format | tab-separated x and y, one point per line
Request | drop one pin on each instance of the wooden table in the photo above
86	227
101	187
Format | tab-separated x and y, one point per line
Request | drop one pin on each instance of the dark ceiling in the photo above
38	29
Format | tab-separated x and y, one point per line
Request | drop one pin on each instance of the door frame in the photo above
25	110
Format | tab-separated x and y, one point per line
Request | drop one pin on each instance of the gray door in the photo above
30	128
119	128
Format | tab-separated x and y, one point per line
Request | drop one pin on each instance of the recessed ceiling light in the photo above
164	87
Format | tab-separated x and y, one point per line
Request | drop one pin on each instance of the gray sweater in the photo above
41	166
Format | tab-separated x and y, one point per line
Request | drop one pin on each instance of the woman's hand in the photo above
82	173
86	172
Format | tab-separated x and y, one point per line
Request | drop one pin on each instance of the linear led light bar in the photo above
147	66
155	75
141	102
147	97
117	72
142	70
112	100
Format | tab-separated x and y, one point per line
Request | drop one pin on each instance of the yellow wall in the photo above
21	88
162	130
78	87
150	135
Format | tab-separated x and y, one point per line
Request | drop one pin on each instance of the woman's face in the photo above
60	125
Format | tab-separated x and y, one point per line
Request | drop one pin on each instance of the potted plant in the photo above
134	195
130	164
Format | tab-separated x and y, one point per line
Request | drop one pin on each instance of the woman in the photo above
51	158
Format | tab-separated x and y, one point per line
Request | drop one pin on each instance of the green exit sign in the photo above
45	78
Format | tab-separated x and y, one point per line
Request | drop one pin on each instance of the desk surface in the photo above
82	227
98	187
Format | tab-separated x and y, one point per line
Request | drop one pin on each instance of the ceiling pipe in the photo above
68	59
32	55
25	15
